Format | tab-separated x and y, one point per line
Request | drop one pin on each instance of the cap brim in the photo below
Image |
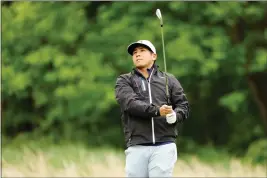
132	46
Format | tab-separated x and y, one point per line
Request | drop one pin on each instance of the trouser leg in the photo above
162	160
137	161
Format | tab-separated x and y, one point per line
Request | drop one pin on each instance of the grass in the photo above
29	160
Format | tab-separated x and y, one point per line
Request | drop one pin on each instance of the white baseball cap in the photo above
145	43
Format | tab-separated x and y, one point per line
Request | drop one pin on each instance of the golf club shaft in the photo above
163	47
165	66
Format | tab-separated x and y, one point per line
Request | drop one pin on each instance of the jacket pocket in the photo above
140	88
163	129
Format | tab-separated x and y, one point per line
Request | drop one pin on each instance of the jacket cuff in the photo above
157	113
179	117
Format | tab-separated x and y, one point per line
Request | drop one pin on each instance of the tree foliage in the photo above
61	60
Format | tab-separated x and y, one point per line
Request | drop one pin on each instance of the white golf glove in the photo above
171	118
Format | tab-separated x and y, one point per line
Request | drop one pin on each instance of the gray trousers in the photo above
150	161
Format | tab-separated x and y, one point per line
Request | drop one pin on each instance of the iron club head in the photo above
158	13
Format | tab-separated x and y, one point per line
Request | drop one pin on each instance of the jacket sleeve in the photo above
128	100
179	101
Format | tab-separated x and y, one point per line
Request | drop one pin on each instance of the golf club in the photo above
158	13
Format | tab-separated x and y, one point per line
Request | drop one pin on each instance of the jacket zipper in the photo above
150	100
143	85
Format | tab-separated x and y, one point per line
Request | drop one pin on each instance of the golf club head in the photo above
158	13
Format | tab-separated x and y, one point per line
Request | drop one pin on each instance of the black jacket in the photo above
140	100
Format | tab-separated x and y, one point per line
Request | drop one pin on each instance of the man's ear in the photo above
154	56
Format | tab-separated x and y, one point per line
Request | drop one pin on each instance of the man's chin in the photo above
140	66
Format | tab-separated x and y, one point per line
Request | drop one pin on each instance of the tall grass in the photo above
79	161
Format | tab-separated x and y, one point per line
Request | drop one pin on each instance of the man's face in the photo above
143	58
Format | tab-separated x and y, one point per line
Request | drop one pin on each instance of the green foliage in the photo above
61	78
260	63
257	153
233	100
214	155
61	60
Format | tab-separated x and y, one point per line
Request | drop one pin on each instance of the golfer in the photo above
149	121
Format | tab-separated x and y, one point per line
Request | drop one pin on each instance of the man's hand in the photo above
164	110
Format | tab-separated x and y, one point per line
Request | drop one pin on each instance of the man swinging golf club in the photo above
152	102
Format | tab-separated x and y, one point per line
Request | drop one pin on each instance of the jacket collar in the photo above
154	66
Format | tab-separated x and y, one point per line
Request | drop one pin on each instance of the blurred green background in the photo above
60	61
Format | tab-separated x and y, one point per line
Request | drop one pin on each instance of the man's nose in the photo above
137	54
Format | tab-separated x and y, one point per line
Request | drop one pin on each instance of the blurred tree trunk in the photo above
258	85
257	81
251	33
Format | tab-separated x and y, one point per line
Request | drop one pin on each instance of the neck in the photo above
144	71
